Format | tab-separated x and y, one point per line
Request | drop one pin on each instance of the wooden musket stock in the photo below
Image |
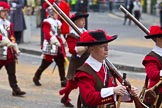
139	24
137	101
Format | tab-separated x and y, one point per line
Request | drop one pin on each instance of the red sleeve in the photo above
11	30
46	27
12	36
71	41
0	37
152	67
87	89
66	9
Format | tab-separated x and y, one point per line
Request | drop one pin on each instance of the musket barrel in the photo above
63	16
139	24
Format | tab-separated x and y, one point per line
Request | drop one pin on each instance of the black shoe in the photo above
63	83
66	103
36	82
18	92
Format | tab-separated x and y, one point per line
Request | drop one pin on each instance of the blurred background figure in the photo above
110	5
94	5
137	9
129	7
17	18
160	12
38	12
73	5
33	5
82	6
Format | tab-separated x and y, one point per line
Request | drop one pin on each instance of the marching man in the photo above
52	39
79	55
8	49
153	63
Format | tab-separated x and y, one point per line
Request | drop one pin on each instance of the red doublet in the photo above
10	52
91	96
152	68
71	41
46	27
0	37
64	6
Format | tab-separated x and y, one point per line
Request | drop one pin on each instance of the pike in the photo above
137	101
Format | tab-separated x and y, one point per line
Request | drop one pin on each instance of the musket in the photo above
120	97
137	101
139	24
117	74
63	16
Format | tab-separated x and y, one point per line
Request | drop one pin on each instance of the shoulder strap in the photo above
146	82
157	56
87	69
73	35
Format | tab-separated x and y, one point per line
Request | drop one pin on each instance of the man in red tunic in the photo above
7	52
79	55
96	83
53	48
153	62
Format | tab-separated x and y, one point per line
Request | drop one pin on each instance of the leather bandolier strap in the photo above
98	86
76	62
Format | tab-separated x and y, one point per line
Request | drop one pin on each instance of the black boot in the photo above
36	81
17	92
60	63
66	102
38	73
63	83
11	71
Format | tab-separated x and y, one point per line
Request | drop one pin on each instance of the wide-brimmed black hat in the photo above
90	38
155	31
78	15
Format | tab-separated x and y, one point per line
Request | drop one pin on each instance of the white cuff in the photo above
77	52
76	49
160	73
105	92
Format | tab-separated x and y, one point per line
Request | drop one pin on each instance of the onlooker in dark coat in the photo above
137	9
160	12
17	18
129	7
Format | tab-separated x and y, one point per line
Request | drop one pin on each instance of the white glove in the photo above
63	39
6	42
160	73
13	5
55	41
16	48
80	49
